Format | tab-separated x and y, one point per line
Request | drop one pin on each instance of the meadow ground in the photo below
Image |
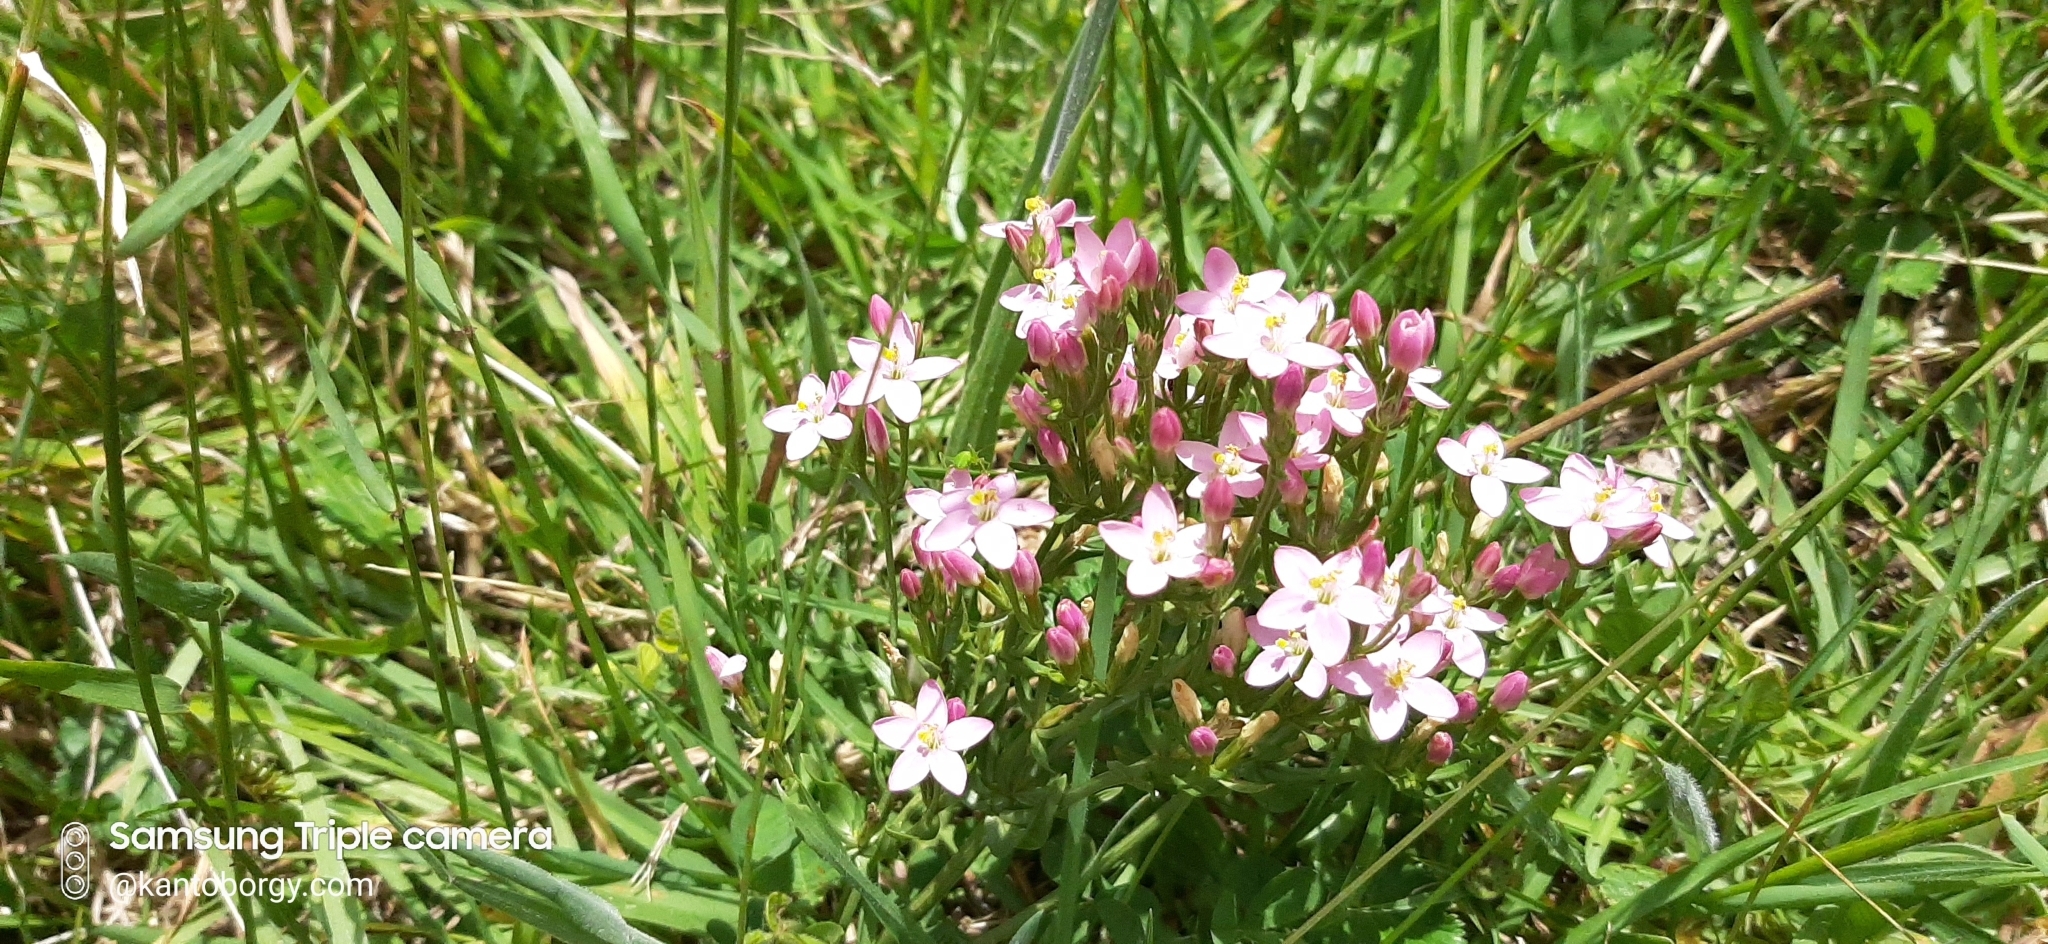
432	456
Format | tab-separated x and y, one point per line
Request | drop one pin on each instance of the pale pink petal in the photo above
836	426
802	442
931	703
925	502
1659	553
1218	270
1263	364
1237	346
948	533
1197	456
1329	635
930	368
1675	529
997	543
966	732
1126	539
863	352
950	771
1267	669
1579	474
896	731
1362	606
1145	578
1287	608
1429	696
1456	456
1159	510
909	771
1026	513
905	399
1554	506
1296	567
784	419
1520	471
1468	653
1387	713
1313	356
1490	495
1261	285
1425	650
1355	678
1314	681
1589	541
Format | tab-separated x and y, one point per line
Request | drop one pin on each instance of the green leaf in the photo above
1761	70
280	159
160	587
114	688
204	179
826	844
562	908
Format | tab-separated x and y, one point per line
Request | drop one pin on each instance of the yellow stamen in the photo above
1034	205
1239	284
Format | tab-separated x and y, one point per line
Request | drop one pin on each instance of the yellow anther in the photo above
1239	284
1034	205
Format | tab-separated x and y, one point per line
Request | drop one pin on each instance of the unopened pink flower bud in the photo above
1019	238
1418	586
1542	573
1145	273
1223	661
955	709
1040	343
1365	315
1024	573
1069	616
1067	356
1336	334
1508	695
1440	748
1061	645
1052	448
1030	405
1373	563
1216	572
911	582
1202	741
1288	389
877	431
961	568
1293	488
1218	501
1410	339
1504	579
1487	563
837	384
880	316
1123	395
1468	708
1641	536
1166	430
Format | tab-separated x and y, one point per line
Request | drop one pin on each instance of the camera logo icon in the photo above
74	861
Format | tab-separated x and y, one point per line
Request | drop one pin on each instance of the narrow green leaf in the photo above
160	587
575	908
272	166
114	688
1762	70
204	179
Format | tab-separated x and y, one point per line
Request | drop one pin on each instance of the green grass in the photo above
538	283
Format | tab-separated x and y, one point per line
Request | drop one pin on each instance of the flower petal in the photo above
909	771
950	771
1329	635
1456	456
1520	471
966	732
1296	567
1490	495
1126	539
1429	696
997	543
896	731
1267	669
1144	578
1026	513
1589	541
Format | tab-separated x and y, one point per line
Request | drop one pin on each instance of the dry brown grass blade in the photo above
1792	305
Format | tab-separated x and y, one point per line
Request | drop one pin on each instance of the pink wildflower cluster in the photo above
1226	448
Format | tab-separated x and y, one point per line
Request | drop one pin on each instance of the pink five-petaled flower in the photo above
814	416
1594	508
1396	679
1182	349
1224	289
891	373
1038	217
1284	652
729	671
931	741
1268	339
1050	297
1235	458
1480	456
977	514
1155	544
1322	597
1344	394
